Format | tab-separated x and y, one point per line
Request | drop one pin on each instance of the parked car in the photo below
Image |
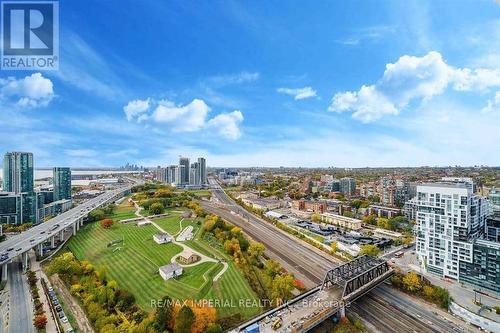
58	308
64	320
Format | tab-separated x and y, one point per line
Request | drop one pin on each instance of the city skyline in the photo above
352	85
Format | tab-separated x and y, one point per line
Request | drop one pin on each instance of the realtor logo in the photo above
30	35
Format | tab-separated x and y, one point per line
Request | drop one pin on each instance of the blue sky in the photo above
263	83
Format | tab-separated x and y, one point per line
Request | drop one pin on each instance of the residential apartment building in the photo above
347	186
314	206
484	270
449	218
184	170
18	172
62	183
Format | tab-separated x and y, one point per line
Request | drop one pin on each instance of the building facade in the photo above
202	163
347	186
18	172
62	183
184	170
449	217
484	270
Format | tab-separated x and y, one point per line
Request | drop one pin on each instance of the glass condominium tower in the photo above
18	172
62	183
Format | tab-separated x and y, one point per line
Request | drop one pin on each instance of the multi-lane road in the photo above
383	309
23	242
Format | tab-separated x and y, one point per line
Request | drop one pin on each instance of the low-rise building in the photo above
341	221
53	209
383	211
162	238
262	204
383	233
170	271
188	257
314	206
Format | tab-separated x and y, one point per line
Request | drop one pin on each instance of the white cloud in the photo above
192	117
135	108
227	124
411	79
187	118
368	104
31	91
493	104
299	93
238	78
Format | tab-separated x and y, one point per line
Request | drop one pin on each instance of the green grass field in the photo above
200	193
124	211
134	263
171	223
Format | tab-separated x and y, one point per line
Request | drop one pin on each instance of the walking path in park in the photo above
185	248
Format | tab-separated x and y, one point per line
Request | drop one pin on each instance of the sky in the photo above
263	83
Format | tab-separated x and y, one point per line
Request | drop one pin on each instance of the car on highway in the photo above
10	249
19	249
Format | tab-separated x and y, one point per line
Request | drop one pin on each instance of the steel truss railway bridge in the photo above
342	285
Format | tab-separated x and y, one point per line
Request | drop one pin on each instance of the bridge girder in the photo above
355	274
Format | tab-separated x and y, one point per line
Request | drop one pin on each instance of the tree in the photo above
347	214
214	328
369	249
40	321
204	316
96	215
369	219
316	217
273	268
184	320
163	315
256	250
334	247
282	287
106	223
156	208
382	222
412	282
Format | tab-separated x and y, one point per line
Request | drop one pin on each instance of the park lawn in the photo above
134	263
123	211
171	223
200	193
233	287
191	274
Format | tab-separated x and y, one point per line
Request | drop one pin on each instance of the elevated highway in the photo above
35	237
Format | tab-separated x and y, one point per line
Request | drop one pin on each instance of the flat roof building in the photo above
341	221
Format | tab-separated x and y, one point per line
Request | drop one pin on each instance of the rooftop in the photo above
170	268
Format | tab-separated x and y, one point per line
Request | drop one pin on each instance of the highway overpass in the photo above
35	237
